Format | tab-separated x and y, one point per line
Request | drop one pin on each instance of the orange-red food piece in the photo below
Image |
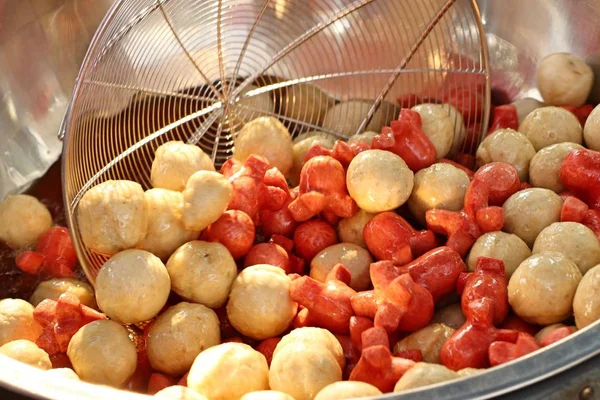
573	210
515	323
183	380
410	354
503	117
342	151
234	230
268	253
267	347
580	173
158	382
60	360
351	353
357	326
313	236
54	255
502	352
556	335
582	112
592	221
280	222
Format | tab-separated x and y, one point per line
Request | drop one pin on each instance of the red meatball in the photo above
313	236
234	230
268	253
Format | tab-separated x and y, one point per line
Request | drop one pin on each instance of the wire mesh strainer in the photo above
161	70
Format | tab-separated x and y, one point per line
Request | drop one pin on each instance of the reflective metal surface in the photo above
42	45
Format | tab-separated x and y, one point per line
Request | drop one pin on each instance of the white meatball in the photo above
509	248
347	390
551	125
352	256
303	371
525	106
205	198
441	186
266	395
350	230
442	124
62	373
26	352
508	146
178	392
424	374
313	337
586	304
379	180
365	137
101	352
469	371
575	241
313	134
451	315
544	168
228	371
541	290
174	163
23	219
259	304
166	231
591	130
564	79
249	107
16	321
428	340
132	286
267	137
301	148
113	216
53	288
304	102
529	211
179	334
346	117
202	272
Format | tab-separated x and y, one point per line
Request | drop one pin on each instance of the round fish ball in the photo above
550	125
113	216
312	134
304	102
450	315
16	321
259	304
575	241
132	286
508	146
564	79
586	304
440	186
424	374
529	211
347	390
53	288
544	168
525	106
350	230
267	137
179	334
26	352
267	395
62	373
591	130
428	340
174	163
469	371
311	336
301	148
228	371
365	137
346	117
249	107
205	198
509	248
178	392
541	290
379	180
101	352
166	231
23	219
442	124
303	372
202	272
352	256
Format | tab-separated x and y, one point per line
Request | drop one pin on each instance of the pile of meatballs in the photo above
316	268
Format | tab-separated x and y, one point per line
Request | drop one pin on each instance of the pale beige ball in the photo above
586	304
26	352
16	321
113	216
317	337
507	146
202	272
346	117
541	290
365	137
424	374
267	137
250	107
179	334
23	219
507	247
205	198
550	125
544	168
267	395
228	371
132	286
450	315
174	163
347	390
350	230
178	392
305	102
525	106
53	288
379	180
259	304
564	79
101	352
591	130
62	373
442	124
428	340
352	256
